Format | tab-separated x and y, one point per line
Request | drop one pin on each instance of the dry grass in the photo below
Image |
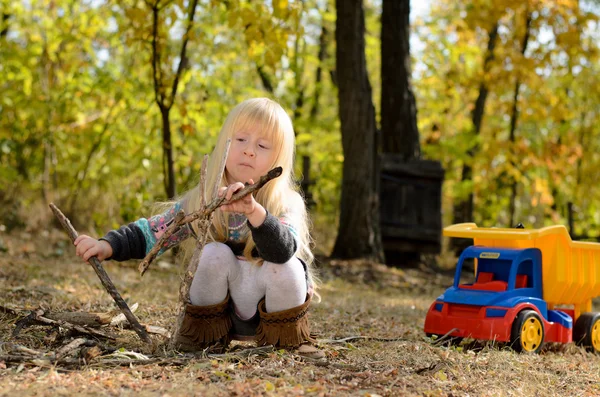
359	299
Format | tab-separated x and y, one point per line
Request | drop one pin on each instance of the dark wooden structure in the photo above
410	208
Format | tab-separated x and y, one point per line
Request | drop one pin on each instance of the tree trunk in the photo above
358	235
399	130
463	210
318	74
514	116
265	79
4	25
163	100
168	168
297	67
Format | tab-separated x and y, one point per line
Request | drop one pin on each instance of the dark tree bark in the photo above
322	56
358	234
514	116
168	165
163	99
463	210
4	25
399	130
265	79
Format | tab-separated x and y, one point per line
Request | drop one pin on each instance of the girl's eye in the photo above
240	139
262	146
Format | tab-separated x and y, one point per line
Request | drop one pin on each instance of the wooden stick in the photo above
203	225
202	183
218	180
74	344
204	212
79	328
106	281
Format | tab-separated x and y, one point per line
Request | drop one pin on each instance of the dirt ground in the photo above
379	311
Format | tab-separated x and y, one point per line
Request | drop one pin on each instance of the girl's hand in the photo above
255	212
88	247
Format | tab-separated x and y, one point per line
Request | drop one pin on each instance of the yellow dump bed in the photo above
570	269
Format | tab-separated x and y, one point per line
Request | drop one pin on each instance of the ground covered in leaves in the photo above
369	324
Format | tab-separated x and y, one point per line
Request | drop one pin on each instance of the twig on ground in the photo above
259	351
10	310
367	338
120	318
40	319
104	279
444	338
22	323
13	347
81	318
69	347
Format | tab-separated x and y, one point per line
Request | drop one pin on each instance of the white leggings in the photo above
282	285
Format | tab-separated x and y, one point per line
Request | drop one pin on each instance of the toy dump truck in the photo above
531	286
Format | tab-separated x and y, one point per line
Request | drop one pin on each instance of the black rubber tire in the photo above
525	317
586	329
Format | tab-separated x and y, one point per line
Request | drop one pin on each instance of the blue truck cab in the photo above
504	304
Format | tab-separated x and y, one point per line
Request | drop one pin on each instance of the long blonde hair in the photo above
279	197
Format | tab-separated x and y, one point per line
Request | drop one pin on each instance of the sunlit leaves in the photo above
554	107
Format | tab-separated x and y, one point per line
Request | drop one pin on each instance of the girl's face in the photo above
251	155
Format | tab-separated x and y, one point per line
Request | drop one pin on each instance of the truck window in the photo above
499	267
524	275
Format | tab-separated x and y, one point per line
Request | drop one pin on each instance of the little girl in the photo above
254	277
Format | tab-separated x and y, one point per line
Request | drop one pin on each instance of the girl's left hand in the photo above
246	205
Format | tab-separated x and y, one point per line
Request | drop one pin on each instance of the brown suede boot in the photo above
205	326
287	329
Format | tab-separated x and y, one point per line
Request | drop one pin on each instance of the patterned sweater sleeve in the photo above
276	239
136	239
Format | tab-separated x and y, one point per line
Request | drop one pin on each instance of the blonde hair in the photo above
279	197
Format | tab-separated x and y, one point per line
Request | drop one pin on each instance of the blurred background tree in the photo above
508	98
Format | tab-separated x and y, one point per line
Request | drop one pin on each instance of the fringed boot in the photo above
205	326
287	329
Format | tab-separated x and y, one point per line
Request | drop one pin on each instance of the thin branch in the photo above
104	279
182	56
360	337
221	170
203	226
74	344
202	184
38	317
205	212
156	56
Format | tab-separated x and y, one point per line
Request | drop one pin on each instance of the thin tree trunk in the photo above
168	153
398	107
265	79
513	121
323	41
46	172
298	68
165	100
463	210
4	25
358	234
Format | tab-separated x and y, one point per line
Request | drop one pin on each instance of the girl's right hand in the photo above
88	247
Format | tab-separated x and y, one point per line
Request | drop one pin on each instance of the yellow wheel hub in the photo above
531	335
596	336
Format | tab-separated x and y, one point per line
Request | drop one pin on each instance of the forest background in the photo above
89	87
